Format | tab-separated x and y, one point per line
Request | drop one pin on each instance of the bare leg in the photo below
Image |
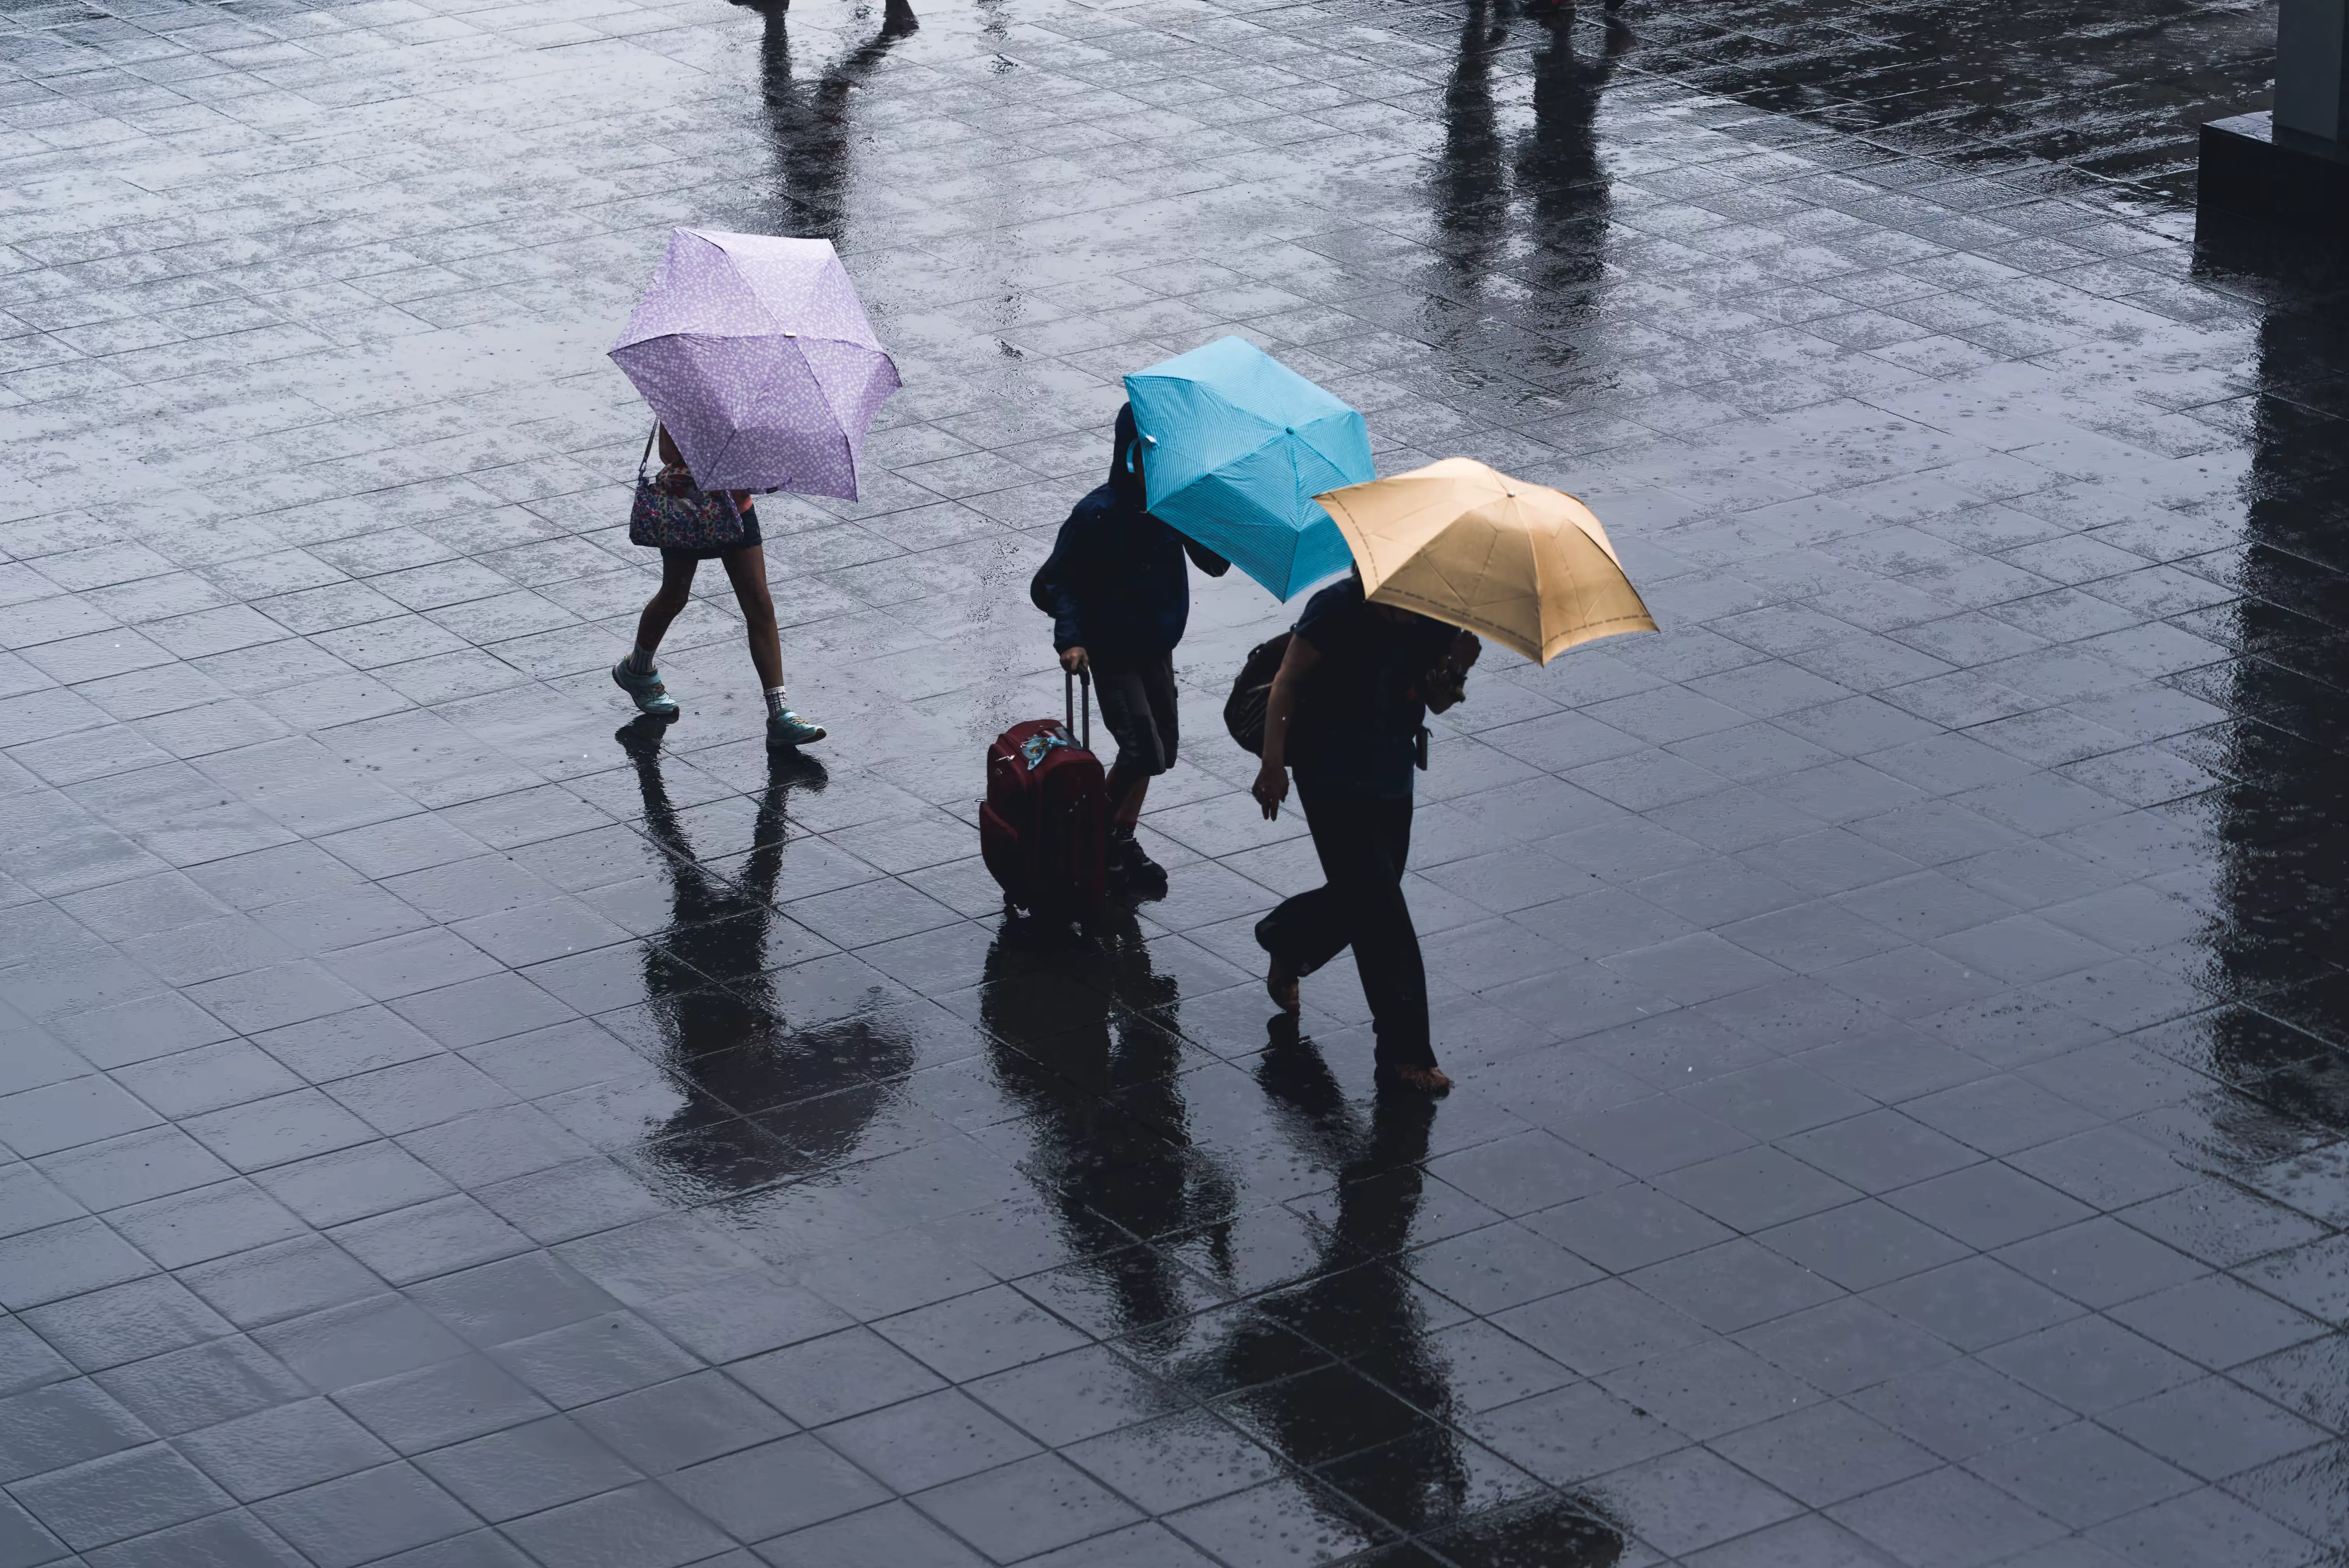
667	602
1125	796
747	570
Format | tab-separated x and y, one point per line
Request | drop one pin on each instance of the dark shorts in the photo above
1138	708
749	537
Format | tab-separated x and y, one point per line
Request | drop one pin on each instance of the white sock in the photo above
775	703
640	661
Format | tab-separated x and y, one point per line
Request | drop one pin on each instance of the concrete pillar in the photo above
2311	95
2291	165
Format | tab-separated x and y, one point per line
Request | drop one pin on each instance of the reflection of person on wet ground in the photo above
1558	163
1338	1371
809	122
714	999
1554	168
1472	201
1084	1040
1385	1407
1564	9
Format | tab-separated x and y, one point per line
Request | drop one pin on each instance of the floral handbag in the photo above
672	512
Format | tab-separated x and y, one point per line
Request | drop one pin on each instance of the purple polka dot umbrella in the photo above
756	353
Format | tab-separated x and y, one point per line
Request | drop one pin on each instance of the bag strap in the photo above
650	437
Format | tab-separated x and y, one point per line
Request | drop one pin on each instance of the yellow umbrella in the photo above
1526	565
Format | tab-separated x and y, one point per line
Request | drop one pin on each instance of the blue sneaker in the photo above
645	689
788	729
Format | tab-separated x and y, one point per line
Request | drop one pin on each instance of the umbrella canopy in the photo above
757	356
1236	445
1524	565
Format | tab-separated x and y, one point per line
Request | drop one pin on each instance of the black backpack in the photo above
1244	709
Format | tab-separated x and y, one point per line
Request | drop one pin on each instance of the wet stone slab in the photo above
1898	1010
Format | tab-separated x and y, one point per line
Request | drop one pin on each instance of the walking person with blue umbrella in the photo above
1120	596
1217	456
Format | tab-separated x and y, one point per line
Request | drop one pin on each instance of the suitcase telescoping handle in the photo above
1069	679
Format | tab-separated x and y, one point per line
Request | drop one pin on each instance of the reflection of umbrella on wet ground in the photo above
1527	566
757	356
1236	445
767	1100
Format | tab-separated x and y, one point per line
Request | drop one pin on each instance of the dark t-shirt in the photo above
1359	710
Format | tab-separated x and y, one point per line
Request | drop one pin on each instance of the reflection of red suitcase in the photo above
1044	829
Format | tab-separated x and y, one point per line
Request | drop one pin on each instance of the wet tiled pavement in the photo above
1898	1010
2114	88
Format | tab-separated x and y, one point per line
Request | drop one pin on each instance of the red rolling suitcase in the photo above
1044	828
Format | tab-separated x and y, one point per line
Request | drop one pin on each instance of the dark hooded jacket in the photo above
1114	583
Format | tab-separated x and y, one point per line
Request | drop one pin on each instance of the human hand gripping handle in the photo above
1073	659
1446	684
1271	785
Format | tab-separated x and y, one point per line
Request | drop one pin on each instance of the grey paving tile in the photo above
1575	1434
527	1469
931	1440
1946	1517
1824	1453
110	1498
2198	1523
25	1539
1958	1408
65	1260
125	1323
2090	1364
63	1424
362	1517
202	1386
445	1402
876	1538
1755	1189
2212	1427
1810	1539
2082	1474
1027	1508
220	1538
1973	1304
1711	1389
1987	1205
2218	1321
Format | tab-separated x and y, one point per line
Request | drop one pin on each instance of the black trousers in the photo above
1363	841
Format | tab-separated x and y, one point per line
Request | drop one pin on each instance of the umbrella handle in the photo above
1069	679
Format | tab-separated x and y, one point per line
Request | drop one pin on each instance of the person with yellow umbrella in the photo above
1441	555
